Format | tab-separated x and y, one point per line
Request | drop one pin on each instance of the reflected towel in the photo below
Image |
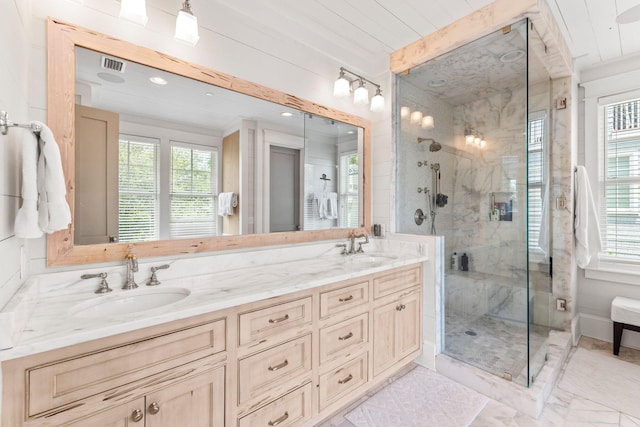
332	206
226	202
586	226
26	224
53	211
321	201
543	237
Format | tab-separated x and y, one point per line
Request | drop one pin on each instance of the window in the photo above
193	192
349	190
620	197
535	180
138	189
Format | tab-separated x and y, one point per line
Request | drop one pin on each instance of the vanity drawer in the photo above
291	409
339	382
344	336
396	281
266	322
56	384
343	299
270	369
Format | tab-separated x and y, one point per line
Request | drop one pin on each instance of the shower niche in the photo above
481	184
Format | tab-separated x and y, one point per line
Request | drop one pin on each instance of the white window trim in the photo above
597	94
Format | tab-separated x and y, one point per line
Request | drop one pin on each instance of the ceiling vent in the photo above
113	64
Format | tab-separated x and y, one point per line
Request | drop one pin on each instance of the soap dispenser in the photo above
464	262
454	261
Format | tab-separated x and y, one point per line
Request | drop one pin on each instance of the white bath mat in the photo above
421	398
603	379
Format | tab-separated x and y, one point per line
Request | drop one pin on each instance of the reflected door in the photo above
284	189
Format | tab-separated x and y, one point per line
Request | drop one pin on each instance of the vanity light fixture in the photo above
427	122
405	112
187	25
416	117
134	11
344	85
469	136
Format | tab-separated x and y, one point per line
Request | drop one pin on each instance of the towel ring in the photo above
5	124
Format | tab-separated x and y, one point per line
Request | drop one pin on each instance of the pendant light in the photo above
134	11
187	25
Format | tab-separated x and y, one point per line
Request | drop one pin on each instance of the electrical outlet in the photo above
561	304
561	202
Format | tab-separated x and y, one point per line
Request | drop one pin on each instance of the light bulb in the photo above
361	95
416	117
134	11
187	25
477	140
405	112
377	102
483	143
427	122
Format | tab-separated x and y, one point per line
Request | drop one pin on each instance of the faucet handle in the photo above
366	237
103	288
344	248
153	280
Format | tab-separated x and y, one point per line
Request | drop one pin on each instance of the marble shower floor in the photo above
495	345
562	409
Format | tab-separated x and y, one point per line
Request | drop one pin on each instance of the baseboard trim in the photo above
601	328
428	356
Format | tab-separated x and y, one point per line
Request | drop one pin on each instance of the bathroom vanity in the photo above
256	346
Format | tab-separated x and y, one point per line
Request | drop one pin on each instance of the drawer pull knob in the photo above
279	420
154	408
345	380
349	298
346	337
137	415
280	366
279	319
400	307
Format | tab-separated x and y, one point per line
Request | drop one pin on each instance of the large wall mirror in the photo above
166	157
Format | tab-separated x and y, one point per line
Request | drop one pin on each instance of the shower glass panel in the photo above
471	132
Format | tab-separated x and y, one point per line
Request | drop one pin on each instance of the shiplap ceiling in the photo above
362	33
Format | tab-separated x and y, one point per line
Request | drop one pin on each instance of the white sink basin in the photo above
131	301
371	258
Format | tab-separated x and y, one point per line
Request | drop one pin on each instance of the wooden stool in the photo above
625	313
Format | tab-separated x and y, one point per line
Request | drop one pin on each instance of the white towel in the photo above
26	224
586	226
332	205
226	202
53	211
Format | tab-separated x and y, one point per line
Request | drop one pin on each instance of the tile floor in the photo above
562	409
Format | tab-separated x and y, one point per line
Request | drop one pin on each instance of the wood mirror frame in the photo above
62	39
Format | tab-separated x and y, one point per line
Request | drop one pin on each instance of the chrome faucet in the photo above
132	267
352	243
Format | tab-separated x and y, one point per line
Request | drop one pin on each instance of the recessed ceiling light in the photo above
209	93
437	83
286	114
351	132
112	78
629	15
512	56
158	80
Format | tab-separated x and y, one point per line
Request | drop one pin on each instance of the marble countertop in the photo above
51	323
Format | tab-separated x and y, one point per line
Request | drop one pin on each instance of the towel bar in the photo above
5	124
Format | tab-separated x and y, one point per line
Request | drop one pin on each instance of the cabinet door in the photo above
384	337
195	402
130	414
408	334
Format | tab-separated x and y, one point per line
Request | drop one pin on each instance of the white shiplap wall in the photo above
15	18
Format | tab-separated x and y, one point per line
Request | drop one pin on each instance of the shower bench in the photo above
625	313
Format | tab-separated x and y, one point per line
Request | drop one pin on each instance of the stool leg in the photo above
617	336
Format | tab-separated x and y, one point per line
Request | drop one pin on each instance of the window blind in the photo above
138	190
620	203
349	190
193	192
535	179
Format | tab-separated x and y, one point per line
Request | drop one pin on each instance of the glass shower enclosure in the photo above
473	166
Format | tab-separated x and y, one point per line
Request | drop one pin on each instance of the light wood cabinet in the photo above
396	330
289	361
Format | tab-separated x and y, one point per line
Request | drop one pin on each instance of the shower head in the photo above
435	145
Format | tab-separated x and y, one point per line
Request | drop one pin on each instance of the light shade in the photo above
134	11
361	95
416	117
427	122
187	25
469	136
477	140
405	112
342	86
377	102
